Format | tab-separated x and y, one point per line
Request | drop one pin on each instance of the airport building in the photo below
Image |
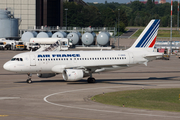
37	12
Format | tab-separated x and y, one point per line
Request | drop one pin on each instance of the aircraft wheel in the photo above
91	80
29	81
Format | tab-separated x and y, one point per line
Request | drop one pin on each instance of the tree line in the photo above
119	15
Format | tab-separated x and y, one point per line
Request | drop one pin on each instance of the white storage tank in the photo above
44	35
74	37
8	25
88	38
28	35
60	34
103	38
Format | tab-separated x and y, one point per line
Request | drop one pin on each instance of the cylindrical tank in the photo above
8	26
59	35
74	37
28	35
44	35
103	38
3	14
88	38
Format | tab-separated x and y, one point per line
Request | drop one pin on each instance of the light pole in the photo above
178	17
118	28
66	17
171	27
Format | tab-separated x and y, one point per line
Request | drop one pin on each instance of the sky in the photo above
120	1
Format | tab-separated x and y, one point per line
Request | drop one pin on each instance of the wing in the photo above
101	68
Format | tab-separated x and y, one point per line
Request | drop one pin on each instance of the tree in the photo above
149	5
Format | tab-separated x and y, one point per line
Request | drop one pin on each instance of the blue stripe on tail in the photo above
147	36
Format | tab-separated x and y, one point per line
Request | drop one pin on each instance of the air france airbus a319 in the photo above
75	65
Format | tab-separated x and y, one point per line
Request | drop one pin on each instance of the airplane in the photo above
75	65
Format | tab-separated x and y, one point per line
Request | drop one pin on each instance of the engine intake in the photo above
72	74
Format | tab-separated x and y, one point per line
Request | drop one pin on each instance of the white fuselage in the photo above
43	62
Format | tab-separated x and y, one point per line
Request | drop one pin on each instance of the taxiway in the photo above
55	99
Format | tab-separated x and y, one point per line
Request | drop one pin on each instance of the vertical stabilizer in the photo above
147	39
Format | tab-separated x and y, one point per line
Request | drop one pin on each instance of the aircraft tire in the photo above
29	81
91	80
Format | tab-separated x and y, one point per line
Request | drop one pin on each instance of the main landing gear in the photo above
91	79
29	78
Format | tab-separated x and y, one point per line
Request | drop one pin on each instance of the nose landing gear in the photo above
29	78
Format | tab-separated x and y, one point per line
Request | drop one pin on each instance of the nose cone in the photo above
7	66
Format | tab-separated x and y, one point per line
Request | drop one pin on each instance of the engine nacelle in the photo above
72	74
46	75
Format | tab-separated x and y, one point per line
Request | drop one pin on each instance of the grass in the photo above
152	99
161	33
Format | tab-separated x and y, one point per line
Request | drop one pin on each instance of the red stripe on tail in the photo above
153	42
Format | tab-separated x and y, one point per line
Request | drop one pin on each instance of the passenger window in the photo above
70	58
74	58
61	58
82	58
77	58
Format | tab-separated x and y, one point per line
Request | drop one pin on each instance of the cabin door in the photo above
131	58
32	60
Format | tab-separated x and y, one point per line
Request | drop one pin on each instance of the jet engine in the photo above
46	75
72	74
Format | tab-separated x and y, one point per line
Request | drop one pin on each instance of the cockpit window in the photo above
13	59
16	59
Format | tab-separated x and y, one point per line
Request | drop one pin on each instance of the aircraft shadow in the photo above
106	81
117	81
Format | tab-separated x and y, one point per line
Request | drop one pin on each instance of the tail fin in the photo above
147	39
